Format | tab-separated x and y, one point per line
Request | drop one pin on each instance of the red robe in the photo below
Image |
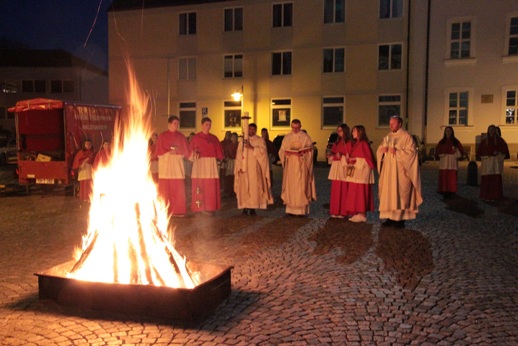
153	161
337	176
206	194
360	198
171	173
83	164
102	158
448	170
490	151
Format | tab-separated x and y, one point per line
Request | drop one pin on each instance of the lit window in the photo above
232	113
388	106
510	107
389	57
281	113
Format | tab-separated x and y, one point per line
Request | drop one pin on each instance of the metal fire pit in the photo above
179	304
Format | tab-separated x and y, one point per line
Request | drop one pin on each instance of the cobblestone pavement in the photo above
449	278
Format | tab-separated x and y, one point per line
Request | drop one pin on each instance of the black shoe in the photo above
388	222
245	211
399	224
252	212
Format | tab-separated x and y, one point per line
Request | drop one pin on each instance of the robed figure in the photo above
399	185
449	150
83	164
252	174
298	181
171	148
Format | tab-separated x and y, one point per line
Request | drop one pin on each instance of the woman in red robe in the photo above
83	162
360	178
339	154
153	158
492	151
206	150
103	156
448	151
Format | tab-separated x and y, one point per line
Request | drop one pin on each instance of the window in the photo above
281	63
510	107
391	9
187	68
233	65
187	22
389	57
458	108
68	86
388	106
187	115
282	15
281	113
513	37
233	19
332	111
460	40
334	60
334	11
9	86
232	113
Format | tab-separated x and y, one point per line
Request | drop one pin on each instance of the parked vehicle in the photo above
50	132
277	142
8	151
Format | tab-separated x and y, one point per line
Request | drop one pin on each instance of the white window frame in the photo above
389	103
282	72
334	50
331	102
334	11
281	111
233	19
391	4
507	107
233	65
283	5
508	36
472	41
391	56
448	108
232	114
186	31
189	62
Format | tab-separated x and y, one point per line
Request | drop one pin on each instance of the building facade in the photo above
322	61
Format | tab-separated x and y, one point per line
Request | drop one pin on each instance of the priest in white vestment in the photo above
399	185
252	173
298	181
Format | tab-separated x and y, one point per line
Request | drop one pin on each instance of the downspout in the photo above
168	84
407	87
427	66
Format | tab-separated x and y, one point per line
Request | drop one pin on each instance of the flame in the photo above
127	239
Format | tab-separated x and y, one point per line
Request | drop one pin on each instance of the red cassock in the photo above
491	187
446	153
171	148
206	194
83	164
360	198
337	177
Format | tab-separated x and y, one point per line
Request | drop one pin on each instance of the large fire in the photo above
127	240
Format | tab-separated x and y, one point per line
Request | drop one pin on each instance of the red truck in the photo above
50	132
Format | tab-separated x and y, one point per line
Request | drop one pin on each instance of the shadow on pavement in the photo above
463	205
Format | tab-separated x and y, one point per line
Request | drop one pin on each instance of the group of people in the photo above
492	151
352	175
244	164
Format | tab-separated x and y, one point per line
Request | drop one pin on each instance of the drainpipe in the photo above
427	64
407	86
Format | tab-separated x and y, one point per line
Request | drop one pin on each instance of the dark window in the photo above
187	22
281	63
334	11
282	15
233	19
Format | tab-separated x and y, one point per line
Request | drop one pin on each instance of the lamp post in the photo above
238	96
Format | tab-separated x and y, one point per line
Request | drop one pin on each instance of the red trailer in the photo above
50	132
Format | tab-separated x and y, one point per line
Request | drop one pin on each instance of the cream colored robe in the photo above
298	182
399	185
252	175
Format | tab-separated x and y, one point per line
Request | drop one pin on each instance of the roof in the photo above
122	5
45	104
43	58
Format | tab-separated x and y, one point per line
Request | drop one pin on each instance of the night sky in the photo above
58	24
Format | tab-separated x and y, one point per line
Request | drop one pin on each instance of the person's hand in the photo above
384	149
392	150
